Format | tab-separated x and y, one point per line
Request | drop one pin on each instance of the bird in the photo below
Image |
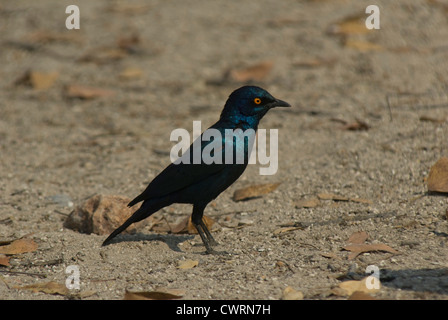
197	182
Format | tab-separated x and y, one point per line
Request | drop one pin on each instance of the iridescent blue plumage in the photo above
200	183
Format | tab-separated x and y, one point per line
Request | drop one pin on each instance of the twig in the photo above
388	106
26	273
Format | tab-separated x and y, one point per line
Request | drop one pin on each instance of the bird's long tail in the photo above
147	209
120	229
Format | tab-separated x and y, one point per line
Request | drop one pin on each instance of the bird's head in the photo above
250	102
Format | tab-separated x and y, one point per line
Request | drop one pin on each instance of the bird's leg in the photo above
204	233
210	238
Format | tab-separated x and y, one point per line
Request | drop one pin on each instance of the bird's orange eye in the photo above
257	100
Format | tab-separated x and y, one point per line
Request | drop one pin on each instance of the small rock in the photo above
438	176
101	215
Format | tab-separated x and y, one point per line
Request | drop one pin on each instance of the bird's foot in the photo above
213	242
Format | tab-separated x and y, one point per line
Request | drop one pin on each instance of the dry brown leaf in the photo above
308	203
254	191
131	73
362	45
432	119
19	246
187	264
38	80
129	43
42	80
256	72
4	260
291	294
438	176
347	288
84	92
186	226
357	125
48	287
158	294
330	255
104	55
44	36
349	25
357	249
285	229
335	197
207	220
358	237
332	196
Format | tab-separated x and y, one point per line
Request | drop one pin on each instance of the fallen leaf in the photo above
362	45
358	125
158	294
358	237
187	264
330	255
131	73
254	191
285	229
347	288
256	72
45	36
432	119
84	92
104	55
4	260
48	287
291	294
38	80
186	226
349	25
130	43
19	246
332	196
42	80
308	203
438	176
357	249
335	197
207	220
245	222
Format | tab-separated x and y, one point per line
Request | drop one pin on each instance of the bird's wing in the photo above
176	177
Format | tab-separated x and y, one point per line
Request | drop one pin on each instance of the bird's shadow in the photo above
425	280
172	240
419	280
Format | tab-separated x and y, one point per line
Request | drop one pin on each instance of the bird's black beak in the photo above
279	103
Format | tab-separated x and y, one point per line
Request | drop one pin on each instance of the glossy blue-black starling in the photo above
199	182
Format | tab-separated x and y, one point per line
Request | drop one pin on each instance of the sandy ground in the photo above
57	151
